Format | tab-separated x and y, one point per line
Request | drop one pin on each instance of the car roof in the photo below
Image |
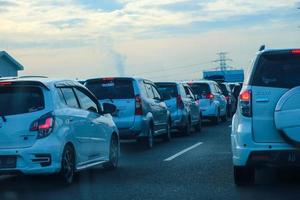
47	82
201	81
276	50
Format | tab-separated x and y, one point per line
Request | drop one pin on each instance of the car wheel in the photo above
198	127
149	140
244	175
68	165
113	154
187	129
224	117
167	136
216	119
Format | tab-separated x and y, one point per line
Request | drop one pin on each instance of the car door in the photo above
98	135
78	124
162	107
194	106
191	102
153	106
221	98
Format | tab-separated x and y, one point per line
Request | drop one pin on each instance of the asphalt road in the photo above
202	171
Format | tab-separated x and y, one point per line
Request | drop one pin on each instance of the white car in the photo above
213	104
266	126
54	127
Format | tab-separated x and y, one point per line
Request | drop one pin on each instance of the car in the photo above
54	127
183	106
265	128
141	112
213	104
231	100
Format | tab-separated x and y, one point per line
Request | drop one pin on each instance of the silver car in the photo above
141	112
183	105
213	103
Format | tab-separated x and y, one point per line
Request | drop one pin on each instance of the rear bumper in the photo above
42	158
139	129
209	111
179	120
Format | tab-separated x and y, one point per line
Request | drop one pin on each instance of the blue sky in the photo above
84	38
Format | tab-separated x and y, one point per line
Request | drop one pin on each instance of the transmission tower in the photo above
222	61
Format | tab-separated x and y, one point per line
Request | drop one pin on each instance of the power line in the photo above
162	68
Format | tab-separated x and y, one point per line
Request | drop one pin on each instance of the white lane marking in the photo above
182	152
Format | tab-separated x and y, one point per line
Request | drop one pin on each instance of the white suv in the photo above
266	126
54	126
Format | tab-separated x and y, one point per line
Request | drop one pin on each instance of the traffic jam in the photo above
65	128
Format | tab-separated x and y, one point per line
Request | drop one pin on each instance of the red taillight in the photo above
5	83
245	96
227	98
295	51
245	103
210	96
108	79
138	105
179	102
44	126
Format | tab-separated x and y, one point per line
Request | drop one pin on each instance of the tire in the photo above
114	150
243	175
187	130
167	136
67	172
198	127
147	142
216	119
224	118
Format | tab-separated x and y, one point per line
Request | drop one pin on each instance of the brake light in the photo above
43	125
210	96
295	51
108	79
245	101
138	105
5	83
179	102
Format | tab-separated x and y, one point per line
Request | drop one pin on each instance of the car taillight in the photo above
179	102
138	105
295	51
245	103
43	125
210	96
5	83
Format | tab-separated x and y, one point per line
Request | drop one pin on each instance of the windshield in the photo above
20	100
167	89
224	89
201	89
111	89
278	70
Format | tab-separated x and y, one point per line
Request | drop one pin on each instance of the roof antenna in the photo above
262	47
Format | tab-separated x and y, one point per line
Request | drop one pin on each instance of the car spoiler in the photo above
13	82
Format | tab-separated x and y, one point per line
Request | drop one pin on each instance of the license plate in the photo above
8	162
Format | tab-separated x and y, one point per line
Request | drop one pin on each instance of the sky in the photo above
155	39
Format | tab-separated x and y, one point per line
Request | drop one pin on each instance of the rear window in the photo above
224	89
111	89
168	89
20	100
200	88
277	70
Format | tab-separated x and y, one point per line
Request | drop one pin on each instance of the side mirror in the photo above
92	109
109	108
